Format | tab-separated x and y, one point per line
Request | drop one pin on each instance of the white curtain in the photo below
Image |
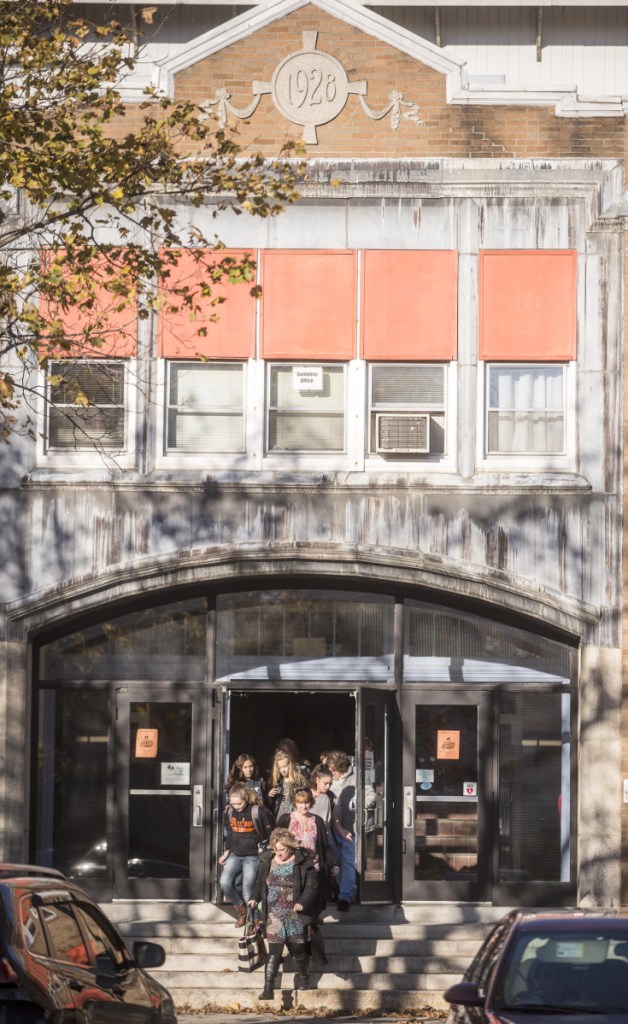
526	409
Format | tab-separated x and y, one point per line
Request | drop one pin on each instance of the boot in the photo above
301	962
241	918
271	967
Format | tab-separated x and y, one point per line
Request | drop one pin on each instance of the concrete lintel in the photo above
446	578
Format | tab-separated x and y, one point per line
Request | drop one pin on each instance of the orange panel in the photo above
409	304
119	331
528	305
308	304
231	336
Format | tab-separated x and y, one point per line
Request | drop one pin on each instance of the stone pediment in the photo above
400	104
348	11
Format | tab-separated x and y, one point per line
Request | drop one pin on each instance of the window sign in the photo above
146	742
307	378
469	789
175	774
448	745
424	775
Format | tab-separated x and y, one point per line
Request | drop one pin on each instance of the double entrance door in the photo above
465	796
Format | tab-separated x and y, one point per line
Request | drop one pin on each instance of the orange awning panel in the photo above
309	304
231	336
409	304
528	304
117	317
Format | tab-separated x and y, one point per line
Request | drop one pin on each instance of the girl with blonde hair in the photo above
285	779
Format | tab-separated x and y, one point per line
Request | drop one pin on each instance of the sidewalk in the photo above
305	1018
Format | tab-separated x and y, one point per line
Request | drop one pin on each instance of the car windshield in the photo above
571	969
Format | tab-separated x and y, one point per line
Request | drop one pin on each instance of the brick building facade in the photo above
385	503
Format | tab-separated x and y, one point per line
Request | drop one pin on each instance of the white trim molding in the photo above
564	99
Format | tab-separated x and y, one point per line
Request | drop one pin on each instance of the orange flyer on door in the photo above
146	742
448	745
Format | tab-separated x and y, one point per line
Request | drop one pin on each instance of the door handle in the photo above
197	807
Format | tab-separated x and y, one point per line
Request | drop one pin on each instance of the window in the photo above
86	407
102	940
306	408
64	934
407	409
526	409
205	407
34	936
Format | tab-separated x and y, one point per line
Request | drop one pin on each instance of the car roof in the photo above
580	920
8	871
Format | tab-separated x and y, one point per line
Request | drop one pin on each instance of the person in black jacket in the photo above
247	827
287	888
310	833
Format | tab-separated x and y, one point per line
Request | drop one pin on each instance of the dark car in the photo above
537	965
63	962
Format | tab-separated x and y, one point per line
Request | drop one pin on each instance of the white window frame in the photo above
95	457
170	364
564	460
249	458
430	461
312	460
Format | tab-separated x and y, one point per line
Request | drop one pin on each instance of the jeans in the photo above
232	867
345	879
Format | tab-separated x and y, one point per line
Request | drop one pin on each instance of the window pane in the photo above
101	937
206	407
445	820
72	770
448	646
63	930
405	385
34	937
304	636
526	409
86	406
534	770
301	419
158	643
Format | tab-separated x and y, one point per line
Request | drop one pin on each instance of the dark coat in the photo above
304	883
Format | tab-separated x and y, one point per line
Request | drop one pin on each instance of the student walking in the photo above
245	769
309	831
344	789
247	827
287	887
285	779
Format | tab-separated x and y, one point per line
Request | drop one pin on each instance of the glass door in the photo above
160	790
376	728
447	797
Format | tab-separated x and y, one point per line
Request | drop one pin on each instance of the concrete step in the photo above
381	958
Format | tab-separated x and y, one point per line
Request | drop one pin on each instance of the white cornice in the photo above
564	99
350	11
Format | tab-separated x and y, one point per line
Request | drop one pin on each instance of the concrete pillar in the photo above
599	778
14	761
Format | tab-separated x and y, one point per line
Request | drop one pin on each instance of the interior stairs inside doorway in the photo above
385	957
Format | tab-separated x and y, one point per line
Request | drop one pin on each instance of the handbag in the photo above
251	945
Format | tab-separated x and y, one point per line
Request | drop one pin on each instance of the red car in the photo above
62	960
537	965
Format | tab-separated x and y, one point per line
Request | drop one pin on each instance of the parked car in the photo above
62	960
537	965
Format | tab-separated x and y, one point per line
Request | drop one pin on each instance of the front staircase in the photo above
381	958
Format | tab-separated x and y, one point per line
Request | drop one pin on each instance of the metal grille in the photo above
403	433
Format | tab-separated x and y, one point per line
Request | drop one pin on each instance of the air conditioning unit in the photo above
404	434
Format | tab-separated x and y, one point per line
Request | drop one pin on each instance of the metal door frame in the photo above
194	888
466	891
